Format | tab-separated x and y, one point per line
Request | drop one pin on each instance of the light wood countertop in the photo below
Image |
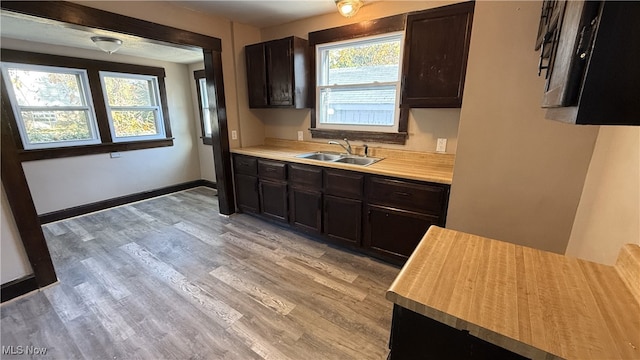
432	167
536	303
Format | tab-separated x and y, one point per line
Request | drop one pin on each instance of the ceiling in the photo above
256	13
261	13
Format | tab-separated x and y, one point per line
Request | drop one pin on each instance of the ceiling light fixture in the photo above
348	8
107	44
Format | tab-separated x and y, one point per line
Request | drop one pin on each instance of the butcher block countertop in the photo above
538	304
432	167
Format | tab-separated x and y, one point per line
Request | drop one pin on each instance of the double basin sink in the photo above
339	158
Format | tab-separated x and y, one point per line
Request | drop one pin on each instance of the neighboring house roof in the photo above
363	75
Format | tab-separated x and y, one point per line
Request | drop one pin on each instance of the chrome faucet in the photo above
347	148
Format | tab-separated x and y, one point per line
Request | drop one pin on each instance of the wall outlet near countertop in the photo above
300	136
234	135
441	145
114	155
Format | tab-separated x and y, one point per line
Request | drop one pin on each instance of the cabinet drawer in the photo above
429	199
245	165
309	176
343	183
273	170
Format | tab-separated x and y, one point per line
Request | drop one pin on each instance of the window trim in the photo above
350	32
319	48
197	76
157	107
85	92
92	67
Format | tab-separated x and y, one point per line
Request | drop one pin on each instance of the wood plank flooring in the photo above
169	278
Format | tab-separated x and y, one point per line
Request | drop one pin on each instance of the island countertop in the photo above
535	303
432	167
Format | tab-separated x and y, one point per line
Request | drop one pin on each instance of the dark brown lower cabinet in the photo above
343	219
247	196
395	233
273	200
417	337
306	209
382	216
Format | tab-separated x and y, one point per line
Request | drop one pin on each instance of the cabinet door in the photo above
394	233
343	219
306	209
247	193
279	72
435	56
273	200
256	75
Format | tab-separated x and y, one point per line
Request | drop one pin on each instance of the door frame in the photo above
79	16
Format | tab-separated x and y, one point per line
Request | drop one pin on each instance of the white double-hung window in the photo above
52	105
133	106
358	83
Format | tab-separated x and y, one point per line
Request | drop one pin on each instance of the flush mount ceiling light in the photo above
107	44
348	8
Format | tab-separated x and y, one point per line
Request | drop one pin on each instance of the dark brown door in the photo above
435	56
306	209
343	219
247	193
256	75
273	200
279	72
395	233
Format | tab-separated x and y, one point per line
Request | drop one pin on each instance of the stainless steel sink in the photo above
364	161
322	156
339	158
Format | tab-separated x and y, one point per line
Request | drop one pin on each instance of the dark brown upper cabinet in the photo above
278	73
589	54
435	56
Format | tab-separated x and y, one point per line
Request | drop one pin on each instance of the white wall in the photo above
609	212
62	183
517	176
14	263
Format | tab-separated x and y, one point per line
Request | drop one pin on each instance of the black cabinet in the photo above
277	73
588	54
395	233
305	196
435	56
382	216
414	336
246	183
398	214
343	206
273	189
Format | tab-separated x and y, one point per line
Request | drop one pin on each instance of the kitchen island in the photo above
487	299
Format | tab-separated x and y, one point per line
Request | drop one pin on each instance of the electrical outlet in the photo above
442	145
234	135
114	155
300	136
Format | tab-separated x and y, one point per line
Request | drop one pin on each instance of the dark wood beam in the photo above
75	15
20	200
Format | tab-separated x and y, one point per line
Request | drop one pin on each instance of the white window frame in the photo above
85	93
157	108
322	65
202	84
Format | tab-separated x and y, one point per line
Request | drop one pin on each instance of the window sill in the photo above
379	137
61	152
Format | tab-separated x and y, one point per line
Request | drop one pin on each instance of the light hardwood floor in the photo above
169	278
